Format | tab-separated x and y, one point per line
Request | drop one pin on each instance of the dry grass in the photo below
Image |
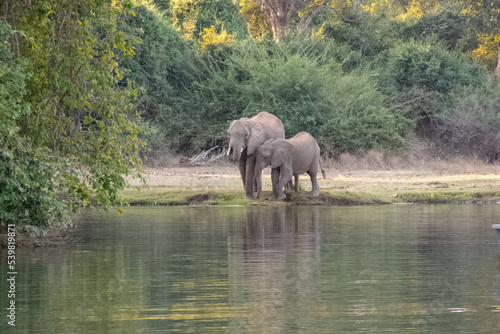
373	178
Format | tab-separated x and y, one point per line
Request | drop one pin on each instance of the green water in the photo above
381	269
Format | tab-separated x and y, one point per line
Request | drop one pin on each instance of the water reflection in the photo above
274	266
267	270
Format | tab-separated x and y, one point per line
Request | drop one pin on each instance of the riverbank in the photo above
443	182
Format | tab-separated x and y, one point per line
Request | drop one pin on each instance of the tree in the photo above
79	136
257	24
280	13
485	20
192	17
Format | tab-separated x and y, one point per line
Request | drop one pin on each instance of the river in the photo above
381	269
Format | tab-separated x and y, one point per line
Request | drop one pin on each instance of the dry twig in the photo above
205	158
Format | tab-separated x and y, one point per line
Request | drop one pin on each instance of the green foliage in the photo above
358	119
298	81
418	79
257	24
448	27
163	66
368	34
162	4
28	191
12	88
81	112
75	137
427	65
192	17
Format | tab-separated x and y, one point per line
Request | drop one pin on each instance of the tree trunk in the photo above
278	14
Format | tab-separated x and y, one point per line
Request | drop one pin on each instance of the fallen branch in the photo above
205	158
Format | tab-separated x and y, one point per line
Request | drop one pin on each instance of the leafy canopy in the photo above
78	138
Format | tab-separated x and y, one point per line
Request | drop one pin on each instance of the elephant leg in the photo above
250	177
275	177
315	185
242	164
296	178
285	177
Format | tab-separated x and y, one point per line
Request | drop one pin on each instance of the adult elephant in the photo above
245	136
289	157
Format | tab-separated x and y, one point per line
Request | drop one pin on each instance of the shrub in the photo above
358	120
447	27
298	81
427	65
368	34
193	17
28	192
472	125
418	77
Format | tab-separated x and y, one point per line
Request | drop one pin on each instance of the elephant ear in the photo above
256	138
231	126
282	153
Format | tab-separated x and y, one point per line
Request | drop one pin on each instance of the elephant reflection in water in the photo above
274	268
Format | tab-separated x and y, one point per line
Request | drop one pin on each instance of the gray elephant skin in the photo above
245	136
289	157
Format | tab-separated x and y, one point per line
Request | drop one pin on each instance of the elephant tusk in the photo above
241	150
228	151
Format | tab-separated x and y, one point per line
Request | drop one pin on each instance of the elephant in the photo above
288	157
245	136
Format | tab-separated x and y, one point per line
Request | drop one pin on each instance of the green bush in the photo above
448	27
28	192
298	81
428	65
368	34
192	17
418	77
359	121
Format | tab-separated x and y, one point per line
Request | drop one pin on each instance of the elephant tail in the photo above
322	170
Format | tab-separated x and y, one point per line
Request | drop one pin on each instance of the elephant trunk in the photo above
258	179
236	152
236	155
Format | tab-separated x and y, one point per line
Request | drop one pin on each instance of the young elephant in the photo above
289	157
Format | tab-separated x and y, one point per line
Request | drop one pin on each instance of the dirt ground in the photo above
455	180
229	178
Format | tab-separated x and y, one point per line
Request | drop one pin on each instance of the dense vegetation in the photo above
85	84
